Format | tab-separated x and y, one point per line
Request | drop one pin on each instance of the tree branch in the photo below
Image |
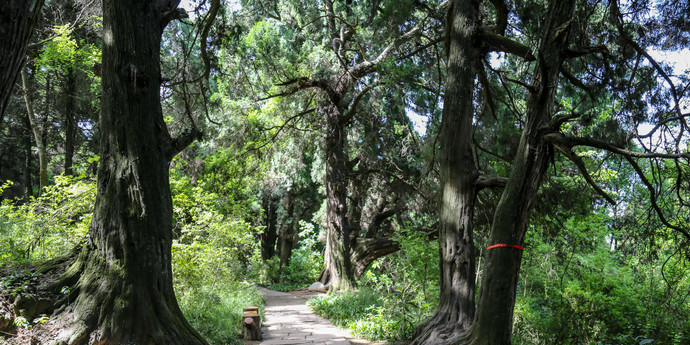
560	119
580	164
172	13
572	53
653	197
353	108
575	81
561	139
366	67
280	129
504	44
183	140
484	181
501	16
619	25
422	48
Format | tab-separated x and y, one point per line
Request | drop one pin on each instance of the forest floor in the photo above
288	321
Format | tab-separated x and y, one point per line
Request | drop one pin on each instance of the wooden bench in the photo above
252	323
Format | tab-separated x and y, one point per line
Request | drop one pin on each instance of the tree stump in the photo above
251	322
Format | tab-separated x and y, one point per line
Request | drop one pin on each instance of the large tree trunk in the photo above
122	277
38	135
458	174
17	19
337	256
493	323
366	250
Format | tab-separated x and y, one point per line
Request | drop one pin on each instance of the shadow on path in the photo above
288	321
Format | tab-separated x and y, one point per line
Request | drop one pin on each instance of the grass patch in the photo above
367	313
217	312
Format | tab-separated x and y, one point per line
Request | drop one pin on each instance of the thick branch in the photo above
353	108
366	67
575	81
366	250
185	139
580	164
572	53
378	219
501	16
560	119
504	44
560	139
173	14
484	181
302	84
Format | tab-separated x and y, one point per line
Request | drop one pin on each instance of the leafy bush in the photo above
304	267
399	292
49	225
348	307
211	254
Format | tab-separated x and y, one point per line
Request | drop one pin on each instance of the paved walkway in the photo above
290	322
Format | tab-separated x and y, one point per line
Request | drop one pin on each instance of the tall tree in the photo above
344	77
121	278
17	19
458	174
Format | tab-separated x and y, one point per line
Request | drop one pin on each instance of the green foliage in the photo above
211	252
17	282
64	53
303	269
346	308
399	292
216	310
578	286
49	225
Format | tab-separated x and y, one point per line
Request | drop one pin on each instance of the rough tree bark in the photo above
494	320
338	262
121	289
366	250
458	175
17	19
494	315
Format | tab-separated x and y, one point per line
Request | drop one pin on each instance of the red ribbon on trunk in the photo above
504	245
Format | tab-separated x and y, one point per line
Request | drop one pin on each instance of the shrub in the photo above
49	225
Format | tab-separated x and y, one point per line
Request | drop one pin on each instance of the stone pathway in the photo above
288	321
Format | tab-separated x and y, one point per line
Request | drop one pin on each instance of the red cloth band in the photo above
504	245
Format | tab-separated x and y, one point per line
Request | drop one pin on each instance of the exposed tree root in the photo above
438	331
92	302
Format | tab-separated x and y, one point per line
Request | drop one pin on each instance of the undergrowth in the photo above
211	250
398	292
